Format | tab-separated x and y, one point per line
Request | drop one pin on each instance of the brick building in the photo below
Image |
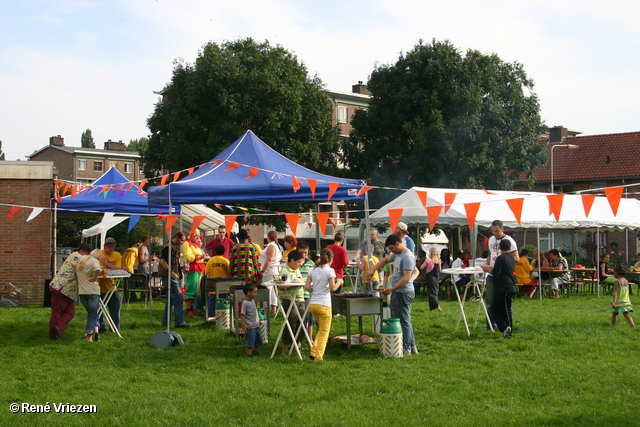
85	165
345	104
25	247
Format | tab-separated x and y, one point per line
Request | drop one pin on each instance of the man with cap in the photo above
403	233
111	260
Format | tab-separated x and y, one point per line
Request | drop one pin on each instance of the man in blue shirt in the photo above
403	233
402	291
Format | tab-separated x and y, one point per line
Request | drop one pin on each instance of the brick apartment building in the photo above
85	165
25	247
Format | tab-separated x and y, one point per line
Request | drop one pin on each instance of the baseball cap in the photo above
109	241
402	226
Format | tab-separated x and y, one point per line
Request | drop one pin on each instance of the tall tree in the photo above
140	145
86	140
442	119
235	86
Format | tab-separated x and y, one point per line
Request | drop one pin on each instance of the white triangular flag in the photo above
34	213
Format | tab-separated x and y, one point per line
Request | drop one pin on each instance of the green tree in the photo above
1	152
86	140
441	119
236	86
139	145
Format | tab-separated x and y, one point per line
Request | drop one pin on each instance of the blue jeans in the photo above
114	310
176	303
401	306
90	302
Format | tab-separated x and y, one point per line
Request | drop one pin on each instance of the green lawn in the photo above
565	366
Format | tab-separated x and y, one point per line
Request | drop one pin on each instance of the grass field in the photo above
565	366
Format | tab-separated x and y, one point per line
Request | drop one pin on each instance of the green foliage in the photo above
236	86
86	140
566	365
139	145
441	119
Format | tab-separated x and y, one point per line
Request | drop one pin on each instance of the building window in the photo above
82	165
128	168
97	165
342	114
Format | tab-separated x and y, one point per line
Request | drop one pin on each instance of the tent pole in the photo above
538	262
169	284
598	260
317	230
55	238
474	242
574	247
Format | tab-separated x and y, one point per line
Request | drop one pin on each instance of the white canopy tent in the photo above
493	205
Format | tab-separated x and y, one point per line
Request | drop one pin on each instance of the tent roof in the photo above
213	183
493	205
119	201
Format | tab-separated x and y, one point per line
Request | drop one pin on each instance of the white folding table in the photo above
478	288
285	322
118	276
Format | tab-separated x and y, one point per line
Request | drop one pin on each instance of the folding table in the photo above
479	289
118	276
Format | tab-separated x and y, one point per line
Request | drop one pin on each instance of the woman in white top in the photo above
321	282
270	260
88	270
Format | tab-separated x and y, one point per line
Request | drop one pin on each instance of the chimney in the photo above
360	88
57	141
114	146
557	134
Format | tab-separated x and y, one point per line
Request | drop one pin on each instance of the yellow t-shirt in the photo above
374	260
217	266
523	271
130	258
114	259
258	248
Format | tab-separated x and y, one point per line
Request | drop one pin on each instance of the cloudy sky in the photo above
69	65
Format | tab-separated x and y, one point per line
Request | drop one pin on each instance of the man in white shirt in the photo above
497	231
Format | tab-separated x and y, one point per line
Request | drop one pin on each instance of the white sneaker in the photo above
507	332
407	352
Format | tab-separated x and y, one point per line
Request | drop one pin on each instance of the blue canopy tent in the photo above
119	201
219	182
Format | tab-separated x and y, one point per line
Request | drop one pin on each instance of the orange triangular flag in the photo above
363	190
252	172
58	198
292	220
433	212
14	210
163	181
394	217
614	194
142	184
229	220
472	211
232	165
555	205
176	176
296	183
66	188
74	190
322	218
129	187
449	198
119	187
516	207
310	224
423	197
333	187
171	219
105	188
587	203
312	187
197	220
190	170
333	222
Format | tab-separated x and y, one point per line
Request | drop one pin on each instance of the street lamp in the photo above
555	146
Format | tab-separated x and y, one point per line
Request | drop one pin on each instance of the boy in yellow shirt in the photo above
217	266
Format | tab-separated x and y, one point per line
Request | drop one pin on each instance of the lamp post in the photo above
555	146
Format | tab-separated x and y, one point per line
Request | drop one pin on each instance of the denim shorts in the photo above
253	337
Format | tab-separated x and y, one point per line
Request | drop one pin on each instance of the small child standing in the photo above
217	266
621	302
249	317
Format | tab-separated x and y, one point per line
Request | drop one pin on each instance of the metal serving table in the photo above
349	305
